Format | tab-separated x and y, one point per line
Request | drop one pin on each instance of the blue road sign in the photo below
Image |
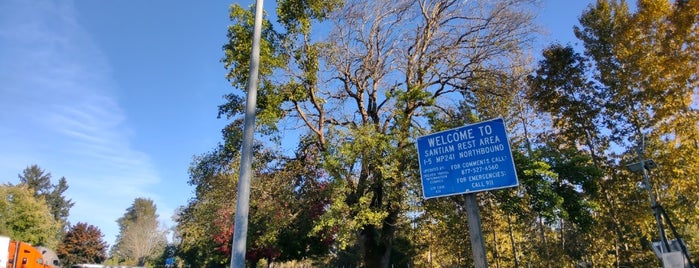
471	158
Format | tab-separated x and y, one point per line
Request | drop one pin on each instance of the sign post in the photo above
474	229
466	160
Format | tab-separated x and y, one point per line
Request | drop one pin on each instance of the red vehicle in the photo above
16	254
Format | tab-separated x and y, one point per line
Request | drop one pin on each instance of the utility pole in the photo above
243	205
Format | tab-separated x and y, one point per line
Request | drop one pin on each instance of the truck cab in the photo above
16	254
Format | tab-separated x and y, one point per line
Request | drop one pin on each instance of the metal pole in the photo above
664	246
474	228
243	204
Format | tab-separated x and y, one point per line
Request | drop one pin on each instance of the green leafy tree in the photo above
204	225
209	215
561	88
26	218
634	84
289	196
361	92
641	58
646	60
83	243
57	201
140	237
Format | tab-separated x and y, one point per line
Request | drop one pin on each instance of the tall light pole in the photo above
243	205
643	166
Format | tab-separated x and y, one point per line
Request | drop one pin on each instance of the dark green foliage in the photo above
36	179
39	181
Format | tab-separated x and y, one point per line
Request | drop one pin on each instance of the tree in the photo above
39	181
140	237
59	204
383	73
205	224
36	179
635	84
26	218
646	61
363	92
561	87
289	197
642	57
82	244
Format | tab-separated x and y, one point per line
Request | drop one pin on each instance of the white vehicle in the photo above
4	251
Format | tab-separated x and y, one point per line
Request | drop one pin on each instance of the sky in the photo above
118	96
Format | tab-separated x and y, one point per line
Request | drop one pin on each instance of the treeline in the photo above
36	211
360	80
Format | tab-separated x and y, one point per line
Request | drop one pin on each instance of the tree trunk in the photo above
386	260
495	248
377	244
543	242
512	241
373	248
496	251
563	236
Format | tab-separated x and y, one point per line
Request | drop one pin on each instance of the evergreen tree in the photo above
39	181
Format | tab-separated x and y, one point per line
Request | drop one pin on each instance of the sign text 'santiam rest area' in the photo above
471	158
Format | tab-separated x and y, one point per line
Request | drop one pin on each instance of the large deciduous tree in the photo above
82	243
647	61
635	85
27	218
366	91
140	236
361	80
204	224
290	194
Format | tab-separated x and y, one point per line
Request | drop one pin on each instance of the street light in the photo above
644	166
675	253
635	167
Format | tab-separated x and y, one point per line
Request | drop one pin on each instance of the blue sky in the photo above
118	96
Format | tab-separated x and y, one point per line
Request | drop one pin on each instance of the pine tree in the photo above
39	181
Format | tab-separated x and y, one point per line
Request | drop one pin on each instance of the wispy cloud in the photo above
60	110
